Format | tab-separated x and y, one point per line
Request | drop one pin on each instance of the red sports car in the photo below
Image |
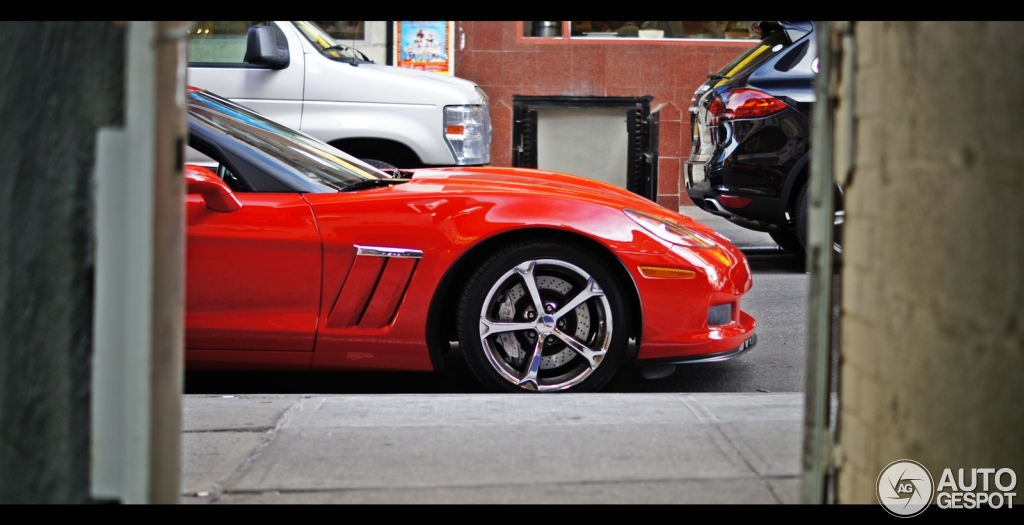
303	257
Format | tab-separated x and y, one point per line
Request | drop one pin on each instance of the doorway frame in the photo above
642	132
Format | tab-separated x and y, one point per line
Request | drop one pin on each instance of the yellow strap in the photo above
740	66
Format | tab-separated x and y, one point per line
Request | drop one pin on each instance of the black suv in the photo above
751	136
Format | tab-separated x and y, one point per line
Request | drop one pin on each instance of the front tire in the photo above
837	222
543	317
386	167
801	217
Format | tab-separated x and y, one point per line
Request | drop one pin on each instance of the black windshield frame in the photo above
316	161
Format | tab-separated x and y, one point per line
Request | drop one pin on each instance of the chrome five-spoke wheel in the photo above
547	318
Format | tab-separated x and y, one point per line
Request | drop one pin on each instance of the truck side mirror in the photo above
261	48
217	195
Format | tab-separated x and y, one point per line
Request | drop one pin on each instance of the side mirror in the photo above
261	48
217	195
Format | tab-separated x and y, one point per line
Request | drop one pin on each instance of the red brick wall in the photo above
504	65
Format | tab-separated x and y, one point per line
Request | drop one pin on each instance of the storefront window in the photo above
218	42
542	29
660	29
344	30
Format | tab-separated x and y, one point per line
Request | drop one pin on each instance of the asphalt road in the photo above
778	301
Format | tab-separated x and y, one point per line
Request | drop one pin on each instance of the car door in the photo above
215	52
253	274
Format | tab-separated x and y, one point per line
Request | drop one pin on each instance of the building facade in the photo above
505	60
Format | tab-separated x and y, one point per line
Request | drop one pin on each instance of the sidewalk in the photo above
484	448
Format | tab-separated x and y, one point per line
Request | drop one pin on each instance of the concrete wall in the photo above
933	283
62	81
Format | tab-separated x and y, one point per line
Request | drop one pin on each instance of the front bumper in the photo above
675	311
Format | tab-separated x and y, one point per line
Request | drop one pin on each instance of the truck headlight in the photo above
467	130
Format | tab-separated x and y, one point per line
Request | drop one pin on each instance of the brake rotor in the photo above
506	312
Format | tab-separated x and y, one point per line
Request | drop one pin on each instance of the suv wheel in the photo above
837	223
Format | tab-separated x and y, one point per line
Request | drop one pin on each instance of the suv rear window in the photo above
749	58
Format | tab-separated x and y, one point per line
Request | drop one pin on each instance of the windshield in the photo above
327	45
314	159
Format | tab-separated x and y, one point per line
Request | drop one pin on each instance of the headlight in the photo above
670	232
467	129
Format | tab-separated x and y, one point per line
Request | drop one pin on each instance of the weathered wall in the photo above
60	82
933	300
376	48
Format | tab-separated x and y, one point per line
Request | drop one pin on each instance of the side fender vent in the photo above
374	288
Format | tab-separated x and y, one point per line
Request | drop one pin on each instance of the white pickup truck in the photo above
296	74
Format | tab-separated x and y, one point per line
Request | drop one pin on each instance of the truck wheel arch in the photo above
386	150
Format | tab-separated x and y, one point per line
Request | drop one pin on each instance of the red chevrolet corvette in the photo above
303	257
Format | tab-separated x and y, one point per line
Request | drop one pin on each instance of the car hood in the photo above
514	180
542	184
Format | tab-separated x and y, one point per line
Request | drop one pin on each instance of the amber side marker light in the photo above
667	273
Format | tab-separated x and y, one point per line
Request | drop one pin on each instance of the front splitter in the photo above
747	345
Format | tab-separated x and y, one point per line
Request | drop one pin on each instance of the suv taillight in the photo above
743	103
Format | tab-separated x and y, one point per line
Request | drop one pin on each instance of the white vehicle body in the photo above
340	100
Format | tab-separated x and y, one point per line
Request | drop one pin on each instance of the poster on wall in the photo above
425	45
